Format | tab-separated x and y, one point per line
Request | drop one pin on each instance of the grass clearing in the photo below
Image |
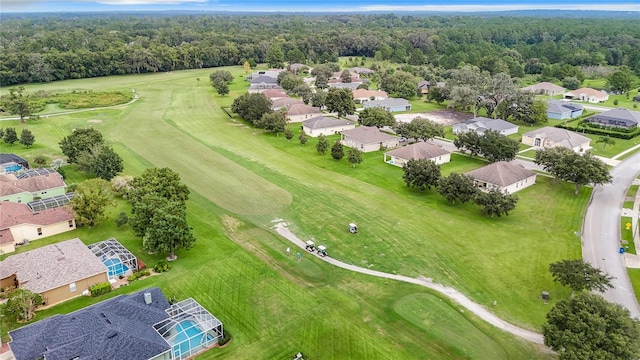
633	190
627	235
634	275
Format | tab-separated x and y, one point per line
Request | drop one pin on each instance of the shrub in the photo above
99	289
122	219
40	161
226	337
138	274
162	266
615	102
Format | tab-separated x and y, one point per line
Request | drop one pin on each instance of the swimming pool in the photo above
12	168
115	266
189	338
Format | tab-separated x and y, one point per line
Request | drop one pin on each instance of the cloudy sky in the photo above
311	6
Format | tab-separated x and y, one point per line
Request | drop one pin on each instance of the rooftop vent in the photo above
147	298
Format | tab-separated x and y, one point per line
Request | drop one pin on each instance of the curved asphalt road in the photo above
601	229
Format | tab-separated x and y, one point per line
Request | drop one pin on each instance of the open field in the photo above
274	306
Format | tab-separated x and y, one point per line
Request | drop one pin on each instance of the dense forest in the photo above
42	48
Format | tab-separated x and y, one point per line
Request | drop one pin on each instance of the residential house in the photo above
636	98
503	176
262	83
482	124
587	94
272	73
295	67
424	86
360	96
301	112
561	110
417	151
548	137
368	138
340	85
545	88
10	163
274	94
57	272
18	223
390	104
30	186
617	118
142	325
326	126
355	77
278	104
361	70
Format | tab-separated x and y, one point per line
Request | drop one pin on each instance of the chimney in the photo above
147	298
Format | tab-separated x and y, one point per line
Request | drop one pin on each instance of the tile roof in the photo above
501	173
302	109
544	86
364	93
367	135
52	266
12	214
559	136
117	328
10	184
322	122
419	150
6	237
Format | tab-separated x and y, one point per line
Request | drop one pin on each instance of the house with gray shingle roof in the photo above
368	138
548	137
340	85
482	124
302	112
326	126
285	102
142	325
617	118
545	88
417	151
389	104
561	110
57	272
503	176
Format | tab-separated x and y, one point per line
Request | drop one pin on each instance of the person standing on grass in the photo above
299	256
288	251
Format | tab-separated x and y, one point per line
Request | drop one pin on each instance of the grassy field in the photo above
627	235
241	179
634	275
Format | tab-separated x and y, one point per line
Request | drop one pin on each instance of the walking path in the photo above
451	293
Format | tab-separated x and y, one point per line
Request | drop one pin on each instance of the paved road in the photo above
451	293
601	229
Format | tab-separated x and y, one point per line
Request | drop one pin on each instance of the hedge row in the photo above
99	289
602	132
138	274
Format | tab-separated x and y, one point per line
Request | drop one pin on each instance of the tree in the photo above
468	141
497	147
90	201
163	182
551	160
457	187
169	230
289	80
536	114
588	327
345	76
421	174
288	134
303	138
26	138
605	140
579	169
79	141
437	94
571	82
246	67
498	89
621	80
495	202
251	107
107	163
220	80
419	128
273	122
275	56
10	136
376	117
323	145
318	99
18	103
337	151
400	83
354	156
23	304
1	133
579	275
340	101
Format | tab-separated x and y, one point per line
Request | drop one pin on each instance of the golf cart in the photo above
353	228
322	250
311	246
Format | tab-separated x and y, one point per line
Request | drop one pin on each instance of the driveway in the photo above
601	227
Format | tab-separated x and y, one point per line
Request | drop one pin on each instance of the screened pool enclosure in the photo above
118	260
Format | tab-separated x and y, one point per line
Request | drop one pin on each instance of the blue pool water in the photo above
12	168
189	337
116	268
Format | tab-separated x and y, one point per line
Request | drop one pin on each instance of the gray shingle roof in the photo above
118	328
419	150
559	107
482	124
501	173
367	135
387	102
559	136
322	122
617	116
264	79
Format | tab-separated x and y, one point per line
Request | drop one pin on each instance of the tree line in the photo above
41	48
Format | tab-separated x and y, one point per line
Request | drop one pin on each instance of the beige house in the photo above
548	137
368	138
417	151
18	223
285	102
363	95
274	94
504	176
326	126
57	272
545	88
587	94
302	112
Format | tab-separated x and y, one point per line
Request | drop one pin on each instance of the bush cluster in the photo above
226	337
138	274
603	132
100	289
162	266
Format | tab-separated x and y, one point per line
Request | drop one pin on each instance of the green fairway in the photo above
274	306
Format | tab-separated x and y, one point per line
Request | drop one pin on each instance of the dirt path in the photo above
281	228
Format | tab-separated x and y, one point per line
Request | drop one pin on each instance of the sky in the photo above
312	6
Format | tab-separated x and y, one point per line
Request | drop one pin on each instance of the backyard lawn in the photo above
241	179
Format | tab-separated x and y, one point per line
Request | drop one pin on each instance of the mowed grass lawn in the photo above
238	171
